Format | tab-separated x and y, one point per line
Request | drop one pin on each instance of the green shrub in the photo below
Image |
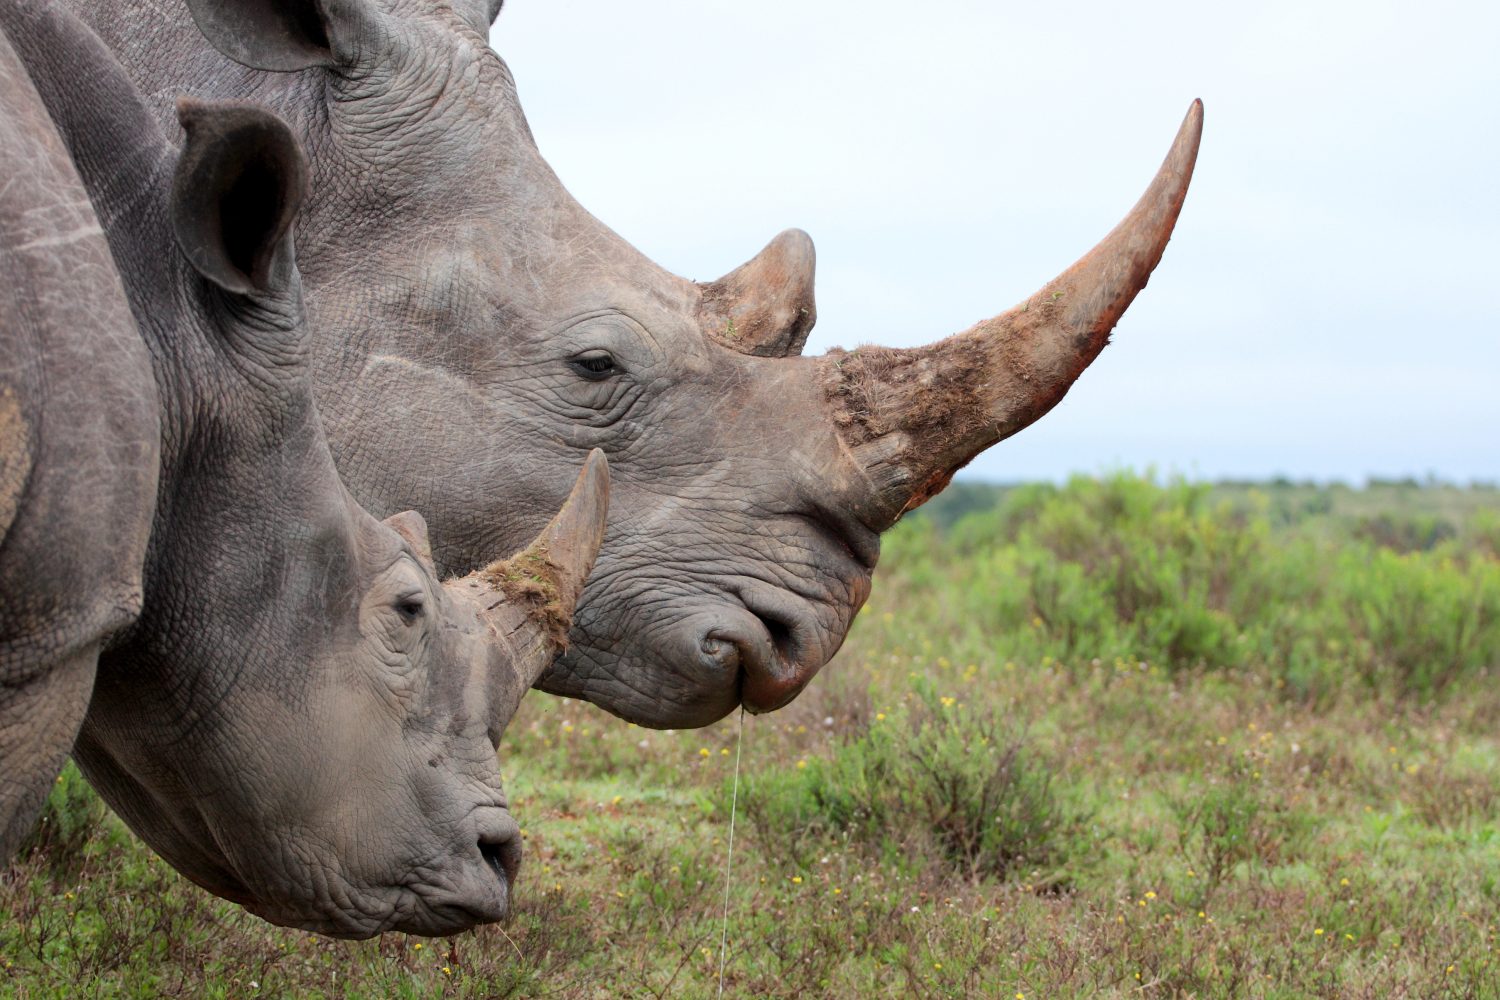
1405	533
933	778
1232	820
71	818
1423	621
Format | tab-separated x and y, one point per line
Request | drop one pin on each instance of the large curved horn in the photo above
526	602
914	417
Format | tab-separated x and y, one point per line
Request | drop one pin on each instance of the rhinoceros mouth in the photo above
774	643
466	881
731	641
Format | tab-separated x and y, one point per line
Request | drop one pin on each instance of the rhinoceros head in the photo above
479	330
304	719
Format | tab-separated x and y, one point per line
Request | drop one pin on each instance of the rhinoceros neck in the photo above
166	56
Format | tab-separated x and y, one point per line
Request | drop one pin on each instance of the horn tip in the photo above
1192	125
591	496
575	534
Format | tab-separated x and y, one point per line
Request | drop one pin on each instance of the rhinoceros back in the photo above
79	447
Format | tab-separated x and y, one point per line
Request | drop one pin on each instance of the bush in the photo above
1234	820
1405	533
933	778
1423	622
71	818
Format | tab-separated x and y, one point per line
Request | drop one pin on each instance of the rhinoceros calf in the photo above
477	330
78	451
303	719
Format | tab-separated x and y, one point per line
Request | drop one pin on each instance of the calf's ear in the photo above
240	180
284	35
413	528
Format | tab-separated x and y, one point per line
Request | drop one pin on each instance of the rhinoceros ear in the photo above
765	306
479	13
284	35
412	527
240	181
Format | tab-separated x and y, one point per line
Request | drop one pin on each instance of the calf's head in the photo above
305	717
478	330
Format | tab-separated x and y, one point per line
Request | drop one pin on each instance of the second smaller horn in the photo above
526	602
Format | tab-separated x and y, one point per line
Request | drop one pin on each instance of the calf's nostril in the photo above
503	857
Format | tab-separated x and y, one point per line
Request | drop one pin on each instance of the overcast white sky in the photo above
1328	308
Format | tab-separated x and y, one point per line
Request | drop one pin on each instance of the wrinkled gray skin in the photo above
303	719
78	451
477	330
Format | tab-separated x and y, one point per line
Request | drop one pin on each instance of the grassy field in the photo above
1109	739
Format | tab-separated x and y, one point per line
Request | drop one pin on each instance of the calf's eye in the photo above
410	609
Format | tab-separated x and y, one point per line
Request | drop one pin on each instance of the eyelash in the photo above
596	368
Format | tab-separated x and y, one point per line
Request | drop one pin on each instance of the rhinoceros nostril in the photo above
723	652
504	858
783	637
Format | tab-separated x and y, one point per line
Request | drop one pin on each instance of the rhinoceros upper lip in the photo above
778	661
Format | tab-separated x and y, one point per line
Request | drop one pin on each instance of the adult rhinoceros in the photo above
303	718
78	451
478	330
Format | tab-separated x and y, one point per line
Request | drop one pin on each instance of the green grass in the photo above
1110	739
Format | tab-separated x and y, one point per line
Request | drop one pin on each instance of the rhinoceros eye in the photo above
410	608
596	366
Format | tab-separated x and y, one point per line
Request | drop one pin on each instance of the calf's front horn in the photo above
526	602
913	417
